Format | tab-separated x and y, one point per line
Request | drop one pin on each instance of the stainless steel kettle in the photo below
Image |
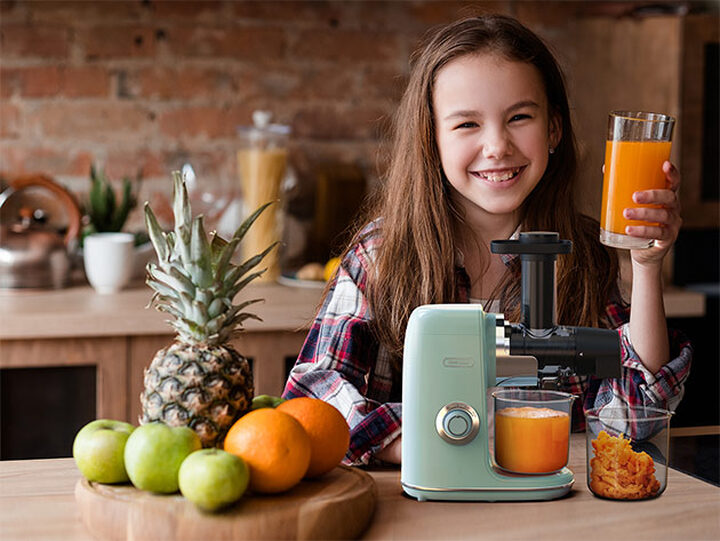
33	255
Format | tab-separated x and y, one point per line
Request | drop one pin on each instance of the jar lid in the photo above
263	132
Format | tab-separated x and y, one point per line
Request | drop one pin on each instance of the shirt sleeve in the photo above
338	363
637	386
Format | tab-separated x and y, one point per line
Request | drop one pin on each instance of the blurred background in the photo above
141	88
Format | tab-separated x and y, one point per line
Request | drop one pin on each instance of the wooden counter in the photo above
37	502
80	312
118	336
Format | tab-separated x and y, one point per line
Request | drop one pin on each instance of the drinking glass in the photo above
637	145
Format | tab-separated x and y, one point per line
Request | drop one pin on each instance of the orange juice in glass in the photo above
532	430
637	145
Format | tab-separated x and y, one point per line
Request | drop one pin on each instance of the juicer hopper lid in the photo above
533	243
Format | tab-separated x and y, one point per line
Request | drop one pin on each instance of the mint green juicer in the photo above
449	365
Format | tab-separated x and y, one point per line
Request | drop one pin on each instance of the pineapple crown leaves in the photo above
195	280
103	208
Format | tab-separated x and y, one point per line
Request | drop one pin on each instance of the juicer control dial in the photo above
457	423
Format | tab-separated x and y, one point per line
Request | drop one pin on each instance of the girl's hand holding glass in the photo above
665	216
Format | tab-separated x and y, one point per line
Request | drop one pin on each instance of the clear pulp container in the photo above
532	430
627	452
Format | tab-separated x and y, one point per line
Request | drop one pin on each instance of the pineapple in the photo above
199	380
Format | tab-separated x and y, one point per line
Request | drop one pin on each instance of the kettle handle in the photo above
73	209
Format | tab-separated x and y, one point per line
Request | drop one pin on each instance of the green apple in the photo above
98	450
266	401
154	453
213	478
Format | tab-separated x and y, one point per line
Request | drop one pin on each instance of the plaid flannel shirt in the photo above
342	363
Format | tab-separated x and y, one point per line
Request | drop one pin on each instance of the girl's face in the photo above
493	132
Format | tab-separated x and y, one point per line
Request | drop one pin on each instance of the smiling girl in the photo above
483	149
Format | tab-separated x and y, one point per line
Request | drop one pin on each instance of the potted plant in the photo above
107	212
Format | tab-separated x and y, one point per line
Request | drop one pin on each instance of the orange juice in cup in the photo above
532	430
637	145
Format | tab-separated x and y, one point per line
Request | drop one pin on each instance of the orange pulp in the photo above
630	166
531	440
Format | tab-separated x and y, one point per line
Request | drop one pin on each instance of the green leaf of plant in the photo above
127	203
240	232
181	203
157	237
97	209
200	254
256	259
243	283
224	257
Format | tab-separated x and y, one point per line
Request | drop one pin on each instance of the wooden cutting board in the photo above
338	505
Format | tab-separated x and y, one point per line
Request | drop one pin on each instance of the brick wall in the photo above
148	85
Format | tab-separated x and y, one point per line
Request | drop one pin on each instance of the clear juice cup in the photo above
637	145
627	452
532	430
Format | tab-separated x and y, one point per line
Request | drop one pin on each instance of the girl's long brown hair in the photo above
416	258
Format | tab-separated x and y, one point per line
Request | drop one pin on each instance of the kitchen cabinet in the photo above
117	337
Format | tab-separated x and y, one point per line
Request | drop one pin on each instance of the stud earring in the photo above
552	150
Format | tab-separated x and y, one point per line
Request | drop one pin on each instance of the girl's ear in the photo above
555	130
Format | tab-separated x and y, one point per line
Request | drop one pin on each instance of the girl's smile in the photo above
494	132
501	178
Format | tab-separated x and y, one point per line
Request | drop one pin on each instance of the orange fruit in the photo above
329	432
275	447
330	268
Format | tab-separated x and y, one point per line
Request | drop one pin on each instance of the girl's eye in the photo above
519	116
466	125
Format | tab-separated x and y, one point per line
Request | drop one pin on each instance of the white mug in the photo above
109	259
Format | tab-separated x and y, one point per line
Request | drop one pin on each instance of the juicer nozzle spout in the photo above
584	350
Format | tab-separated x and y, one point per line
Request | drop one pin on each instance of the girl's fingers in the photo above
672	175
661	216
667	198
662	223
649	232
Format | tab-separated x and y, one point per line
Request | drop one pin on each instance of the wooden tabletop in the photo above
80	312
37	502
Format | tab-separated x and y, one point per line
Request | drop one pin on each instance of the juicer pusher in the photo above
449	364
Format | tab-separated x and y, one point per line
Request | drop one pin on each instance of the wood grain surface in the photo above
339	505
79	312
37	503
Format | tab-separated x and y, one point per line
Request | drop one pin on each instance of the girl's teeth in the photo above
499	177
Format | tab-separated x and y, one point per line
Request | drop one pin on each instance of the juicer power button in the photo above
457	423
